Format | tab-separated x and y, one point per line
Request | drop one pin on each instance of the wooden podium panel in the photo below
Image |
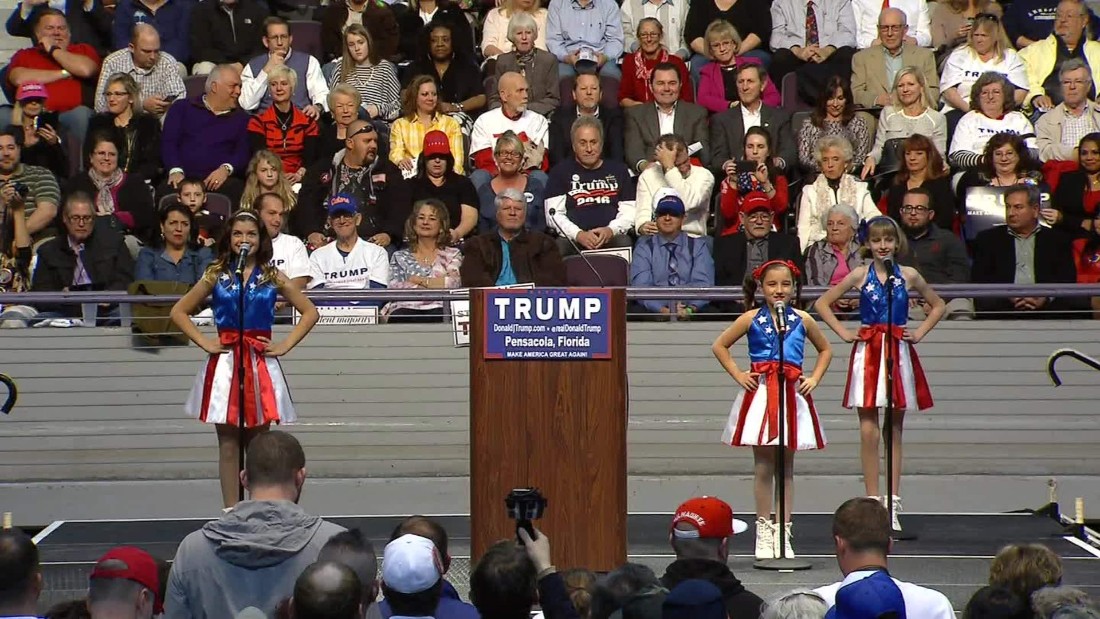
559	426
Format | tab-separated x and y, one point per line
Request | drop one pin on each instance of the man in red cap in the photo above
699	534
737	255
125	585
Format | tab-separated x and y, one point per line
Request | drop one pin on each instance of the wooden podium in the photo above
556	425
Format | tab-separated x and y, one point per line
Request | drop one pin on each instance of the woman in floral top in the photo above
427	262
834	114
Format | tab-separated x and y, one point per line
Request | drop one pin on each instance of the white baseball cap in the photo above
411	564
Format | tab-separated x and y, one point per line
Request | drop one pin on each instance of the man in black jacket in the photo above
737	255
87	257
587	95
701	530
533	257
938	254
226	32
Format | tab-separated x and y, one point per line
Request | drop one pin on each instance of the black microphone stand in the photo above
240	352
888	421
782	563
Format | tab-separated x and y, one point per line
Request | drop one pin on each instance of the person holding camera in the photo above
15	241
754	174
509	578
36	186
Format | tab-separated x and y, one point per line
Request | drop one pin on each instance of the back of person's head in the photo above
579	585
1048	600
996	603
632	591
274	459
20	573
864	526
502	585
797	604
327	590
72	609
355	551
1076	612
1025	568
694	599
701	528
125	582
425	527
412	576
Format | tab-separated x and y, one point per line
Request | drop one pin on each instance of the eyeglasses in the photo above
116	93
649	35
105	153
915	210
508	154
758	216
367	128
80	219
891	28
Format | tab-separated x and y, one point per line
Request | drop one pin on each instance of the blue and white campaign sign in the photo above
553	324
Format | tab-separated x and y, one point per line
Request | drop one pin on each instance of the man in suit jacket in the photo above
997	259
587	94
645	124
874	68
737	255
727	130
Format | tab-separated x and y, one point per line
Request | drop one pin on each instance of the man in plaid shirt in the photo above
156	72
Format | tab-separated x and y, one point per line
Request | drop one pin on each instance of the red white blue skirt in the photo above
866	386
214	397
754	418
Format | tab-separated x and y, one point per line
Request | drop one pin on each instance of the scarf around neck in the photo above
105	187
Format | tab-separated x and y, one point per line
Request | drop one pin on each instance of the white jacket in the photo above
818	198
695	191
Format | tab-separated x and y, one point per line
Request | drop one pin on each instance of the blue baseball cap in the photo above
342	203
668	203
874	597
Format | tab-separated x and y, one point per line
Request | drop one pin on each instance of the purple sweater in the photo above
197	141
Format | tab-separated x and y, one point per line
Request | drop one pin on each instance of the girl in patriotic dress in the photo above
214	396
754	418
866	388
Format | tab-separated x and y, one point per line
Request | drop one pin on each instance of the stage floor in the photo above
951	553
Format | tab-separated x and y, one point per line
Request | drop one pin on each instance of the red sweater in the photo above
730	203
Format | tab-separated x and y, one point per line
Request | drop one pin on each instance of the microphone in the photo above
781	315
246	248
576	248
889	264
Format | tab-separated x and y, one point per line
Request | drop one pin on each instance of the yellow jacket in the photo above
1039	60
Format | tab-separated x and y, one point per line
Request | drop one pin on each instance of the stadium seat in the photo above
194	85
216	203
307	37
612	270
788	90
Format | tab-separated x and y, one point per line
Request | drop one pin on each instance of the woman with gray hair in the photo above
495	35
1048	601
797	604
539	66
829	260
833	186
284	128
991	112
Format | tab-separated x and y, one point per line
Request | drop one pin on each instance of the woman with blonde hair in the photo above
495	35
908	114
953	21
266	175
420	115
428	261
1025	568
987	49
284	128
343	109
136	131
717	92
374	77
41	141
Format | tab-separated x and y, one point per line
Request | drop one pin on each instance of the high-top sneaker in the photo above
789	552
895	523
765	539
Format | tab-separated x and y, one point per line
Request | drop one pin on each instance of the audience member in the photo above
738	254
645	124
1029	21
461	91
256	95
992	115
450	605
15	249
423	15
512	115
379	18
1075	201
909	113
1021	252
764	179
328	590
373	76
42	194
208	226
590	200
912	11
1059	131
1048	600
796	604
375	183
41	130
266	175
241	559
511	254
580	583
987	49
288	253
1025	568
1076	612
670	19
751	19
700	535
428	261
176	256
585	32
935	252
953	22
996	603
718	79
495	32
123	201
420	116
632	590
638	64
587	95
138	131
155	72
923	167
728	129
437	179
343	108
538	66
67	69
831	259
1006	162
207	137
833	186
861	531
72	609
355	551
694	599
349	262
675	173
170	20
875	67
508	579
507	156
1044	58
90	21
21	580
284	129
673	259
226	32
834	115
125	584
813	41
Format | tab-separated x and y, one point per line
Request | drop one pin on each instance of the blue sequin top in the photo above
764	338
259	299
872	299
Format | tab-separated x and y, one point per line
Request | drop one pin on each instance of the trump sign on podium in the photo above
548	323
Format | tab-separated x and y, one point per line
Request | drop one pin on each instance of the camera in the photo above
525	505
746	167
21	189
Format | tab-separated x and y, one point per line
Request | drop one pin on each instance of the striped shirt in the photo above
407	138
377	84
41	187
286	137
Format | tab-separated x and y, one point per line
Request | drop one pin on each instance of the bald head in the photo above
513	93
327	590
145	46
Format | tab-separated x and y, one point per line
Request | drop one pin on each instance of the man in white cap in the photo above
412	579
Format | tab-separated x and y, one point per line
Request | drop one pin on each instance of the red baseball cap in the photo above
711	517
436	143
133	564
754	201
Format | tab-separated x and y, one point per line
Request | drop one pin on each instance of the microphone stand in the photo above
240	352
782	563
888	422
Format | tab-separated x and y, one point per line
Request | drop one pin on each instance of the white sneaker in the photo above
788	551
895	523
765	539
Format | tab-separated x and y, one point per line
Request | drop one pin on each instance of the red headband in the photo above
759	272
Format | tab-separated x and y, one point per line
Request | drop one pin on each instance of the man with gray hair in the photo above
590	200
511	254
1059	131
1044	58
156	72
874	68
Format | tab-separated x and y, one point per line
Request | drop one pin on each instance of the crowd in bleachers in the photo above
664	128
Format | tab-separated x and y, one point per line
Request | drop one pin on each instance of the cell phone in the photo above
525	505
746	167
